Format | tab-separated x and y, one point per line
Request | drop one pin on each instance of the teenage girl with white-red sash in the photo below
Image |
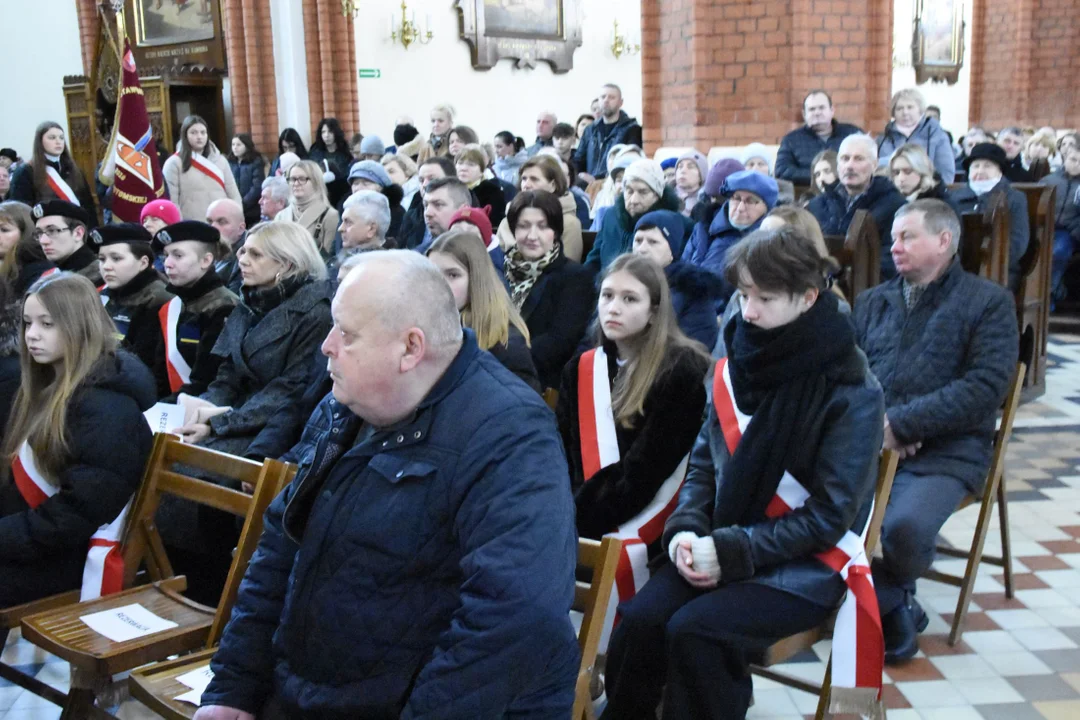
630	408
765	540
75	448
198	174
52	174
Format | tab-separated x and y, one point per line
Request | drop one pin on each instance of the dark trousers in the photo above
1064	247
699	643
918	506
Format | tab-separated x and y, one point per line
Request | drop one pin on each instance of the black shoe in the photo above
922	620
901	630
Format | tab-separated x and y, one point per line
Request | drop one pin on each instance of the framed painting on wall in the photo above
173	33
528	31
937	46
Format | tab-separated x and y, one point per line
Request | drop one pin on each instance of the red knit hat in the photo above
161	209
475	216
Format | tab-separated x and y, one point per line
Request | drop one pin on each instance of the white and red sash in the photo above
202	163
600	448
103	573
178	369
62	190
858	646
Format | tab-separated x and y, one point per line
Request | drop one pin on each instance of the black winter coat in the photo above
207	305
265	363
800	146
838	466
489	192
557	311
966	200
516	357
339	163
42	551
412	229
649	452
419	571
249	177
83	261
26	191
134	311
945	366
695	295
882	199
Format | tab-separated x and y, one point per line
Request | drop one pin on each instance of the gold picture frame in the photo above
937	44
529	31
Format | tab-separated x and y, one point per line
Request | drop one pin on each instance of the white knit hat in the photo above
647	171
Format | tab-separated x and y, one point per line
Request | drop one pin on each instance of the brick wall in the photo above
1025	59
331	65
729	72
249	46
89	21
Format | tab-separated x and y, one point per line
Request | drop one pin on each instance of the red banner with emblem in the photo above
131	164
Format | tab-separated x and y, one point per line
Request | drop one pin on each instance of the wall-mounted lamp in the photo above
350	8
621	46
406	31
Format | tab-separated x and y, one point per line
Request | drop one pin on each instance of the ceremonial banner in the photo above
131	163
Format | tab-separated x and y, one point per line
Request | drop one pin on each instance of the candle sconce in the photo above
406	31
621	46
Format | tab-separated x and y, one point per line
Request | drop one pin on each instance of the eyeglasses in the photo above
743	200
52	232
299	180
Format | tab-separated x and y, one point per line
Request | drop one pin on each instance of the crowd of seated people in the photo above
392	319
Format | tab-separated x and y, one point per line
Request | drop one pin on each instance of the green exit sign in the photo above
369	73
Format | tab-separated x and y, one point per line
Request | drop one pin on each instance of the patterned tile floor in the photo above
1017	660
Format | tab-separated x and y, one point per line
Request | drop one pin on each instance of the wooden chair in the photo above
157	688
790	646
1033	293
588	239
94	658
591	599
551	397
994	490
859	255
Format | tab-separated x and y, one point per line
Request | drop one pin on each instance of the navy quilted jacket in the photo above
945	366
800	146
421	571
834	213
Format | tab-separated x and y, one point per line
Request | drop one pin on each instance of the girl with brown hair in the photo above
198	174
51	173
75	446
483	302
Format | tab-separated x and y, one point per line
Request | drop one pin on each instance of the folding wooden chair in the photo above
591	599
551	397
994	490
94	658
790	646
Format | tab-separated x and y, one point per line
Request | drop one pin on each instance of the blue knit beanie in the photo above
752	181
671	224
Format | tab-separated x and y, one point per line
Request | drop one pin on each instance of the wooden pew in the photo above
859	255
984	240
1033	292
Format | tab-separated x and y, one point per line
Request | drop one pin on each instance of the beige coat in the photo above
193	191
571	235
321	226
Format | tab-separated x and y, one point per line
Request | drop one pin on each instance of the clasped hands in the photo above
891	443
197	414
695	559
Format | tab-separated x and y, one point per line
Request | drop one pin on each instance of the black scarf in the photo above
262	300
783	377
135	285
209	281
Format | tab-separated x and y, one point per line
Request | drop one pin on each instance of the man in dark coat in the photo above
422	562
613	127
943	343
413	227
859	189
227	217
821	132
986	170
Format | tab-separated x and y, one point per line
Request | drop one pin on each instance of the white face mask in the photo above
981	187
739	226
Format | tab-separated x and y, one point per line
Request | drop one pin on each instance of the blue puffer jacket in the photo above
420	571
591	153
249	177
695	293
1019	227
931	136
709	243
834	213
945	366
799	148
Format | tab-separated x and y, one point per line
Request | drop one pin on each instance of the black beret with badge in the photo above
118	233
60	208
186	230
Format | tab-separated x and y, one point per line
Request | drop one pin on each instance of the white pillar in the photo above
290	67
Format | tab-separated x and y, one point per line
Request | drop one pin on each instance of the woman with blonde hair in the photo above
438	144
806	225
911	124
198	174
309	206
543	172
74	449
1040	156
483	302
913	175
640	385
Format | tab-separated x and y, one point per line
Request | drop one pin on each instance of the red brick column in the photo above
1025	59
89	22
730	72
331	65
249	45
